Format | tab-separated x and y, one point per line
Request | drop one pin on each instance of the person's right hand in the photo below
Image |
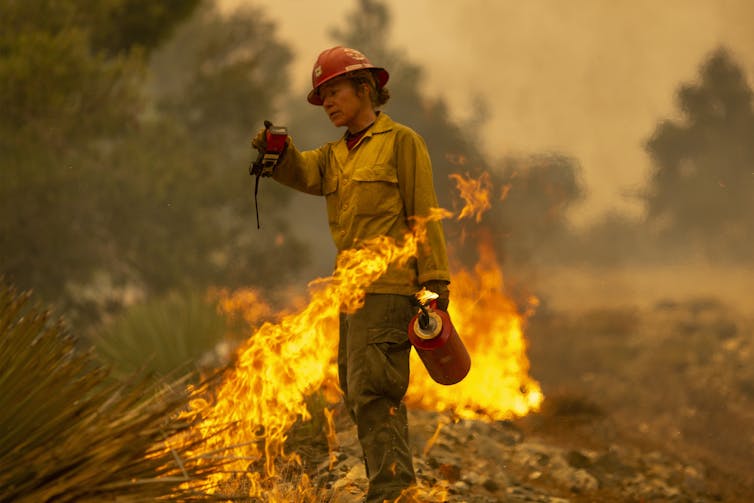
259	142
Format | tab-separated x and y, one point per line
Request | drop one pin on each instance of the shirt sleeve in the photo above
414	169
303	171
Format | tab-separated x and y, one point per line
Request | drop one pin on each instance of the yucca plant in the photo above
179	332
69	434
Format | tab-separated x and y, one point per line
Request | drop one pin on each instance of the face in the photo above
343	105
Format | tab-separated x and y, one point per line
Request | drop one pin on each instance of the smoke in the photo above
572	93
586	83
586	78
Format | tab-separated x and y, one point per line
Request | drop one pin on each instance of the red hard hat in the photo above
337	61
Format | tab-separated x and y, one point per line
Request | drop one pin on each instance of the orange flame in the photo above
332	438
476	193
249	416
490	325
424	296
282	363
433	439
245	303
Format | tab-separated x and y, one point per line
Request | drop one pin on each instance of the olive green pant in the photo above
373	367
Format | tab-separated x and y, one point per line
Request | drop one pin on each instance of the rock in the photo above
578	460
355	481
451	473
521	494
693	480
460	487
577	480
610	465
347	495
491	485
480	462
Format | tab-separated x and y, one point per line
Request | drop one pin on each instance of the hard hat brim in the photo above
380	74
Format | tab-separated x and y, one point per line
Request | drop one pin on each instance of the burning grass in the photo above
89	439
286	361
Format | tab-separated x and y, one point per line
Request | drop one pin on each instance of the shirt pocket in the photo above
330	191
376	190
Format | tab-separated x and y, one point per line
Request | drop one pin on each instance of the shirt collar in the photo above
383	124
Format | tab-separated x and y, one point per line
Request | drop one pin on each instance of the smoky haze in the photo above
586	81
586	78
621	133
611	127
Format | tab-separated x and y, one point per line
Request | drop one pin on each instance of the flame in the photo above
433	439
246	420
244	303
504	191
476	193
490	325
424	296
281	364
332	438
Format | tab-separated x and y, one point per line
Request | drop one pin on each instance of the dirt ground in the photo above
667	353
580	288
648	377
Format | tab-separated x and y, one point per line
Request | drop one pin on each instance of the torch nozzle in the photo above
423	317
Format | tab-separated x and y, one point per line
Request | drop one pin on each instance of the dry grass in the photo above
69	434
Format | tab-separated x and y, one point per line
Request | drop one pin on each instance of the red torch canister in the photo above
439	346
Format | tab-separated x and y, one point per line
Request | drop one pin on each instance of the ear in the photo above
365	90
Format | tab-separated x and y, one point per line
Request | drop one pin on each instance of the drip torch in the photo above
438	344
270	149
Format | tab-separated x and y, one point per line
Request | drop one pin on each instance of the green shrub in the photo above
177	333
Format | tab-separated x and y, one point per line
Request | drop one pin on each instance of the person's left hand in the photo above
440	287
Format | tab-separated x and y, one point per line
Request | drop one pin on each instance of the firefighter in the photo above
374	178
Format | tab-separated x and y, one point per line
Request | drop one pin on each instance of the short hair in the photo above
378	96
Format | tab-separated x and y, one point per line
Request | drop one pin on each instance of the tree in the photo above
71	70
63	97
701	189
103	176
210	93
536	193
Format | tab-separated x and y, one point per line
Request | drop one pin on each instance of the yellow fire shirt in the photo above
373	190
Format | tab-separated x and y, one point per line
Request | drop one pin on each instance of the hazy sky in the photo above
589	78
